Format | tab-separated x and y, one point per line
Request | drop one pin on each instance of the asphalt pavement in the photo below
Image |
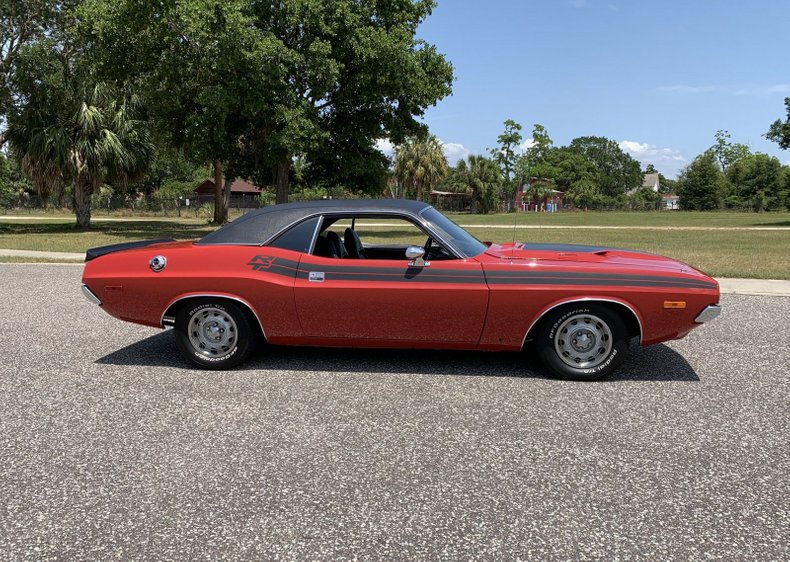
112	447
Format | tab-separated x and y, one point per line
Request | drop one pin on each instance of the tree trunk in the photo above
82	203
220	199
283	169
226	196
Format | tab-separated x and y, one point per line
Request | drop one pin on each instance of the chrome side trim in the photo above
709	313
315	234
89	295
203	295
585	299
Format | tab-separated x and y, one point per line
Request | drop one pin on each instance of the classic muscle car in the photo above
396	274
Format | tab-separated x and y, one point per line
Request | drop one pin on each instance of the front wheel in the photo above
214	334
583	342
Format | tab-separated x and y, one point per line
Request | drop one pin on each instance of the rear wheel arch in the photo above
625	311
172	310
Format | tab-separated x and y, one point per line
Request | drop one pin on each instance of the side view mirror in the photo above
416	253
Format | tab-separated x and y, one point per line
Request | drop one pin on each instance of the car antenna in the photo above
515	220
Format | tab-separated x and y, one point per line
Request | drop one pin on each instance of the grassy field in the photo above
619	218
731	249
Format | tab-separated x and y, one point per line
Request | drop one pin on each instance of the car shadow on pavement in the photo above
654	363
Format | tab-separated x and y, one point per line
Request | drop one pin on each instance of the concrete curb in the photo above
43	255
771	287
732	286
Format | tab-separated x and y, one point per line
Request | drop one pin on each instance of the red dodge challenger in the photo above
396	274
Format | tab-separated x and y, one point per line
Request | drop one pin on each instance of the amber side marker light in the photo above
674	304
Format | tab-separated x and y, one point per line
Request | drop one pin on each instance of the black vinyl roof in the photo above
258	227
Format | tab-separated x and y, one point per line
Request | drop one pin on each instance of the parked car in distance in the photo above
396	274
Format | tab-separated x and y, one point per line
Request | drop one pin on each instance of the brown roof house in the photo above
243	194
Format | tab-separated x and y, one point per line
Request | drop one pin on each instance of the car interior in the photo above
342	238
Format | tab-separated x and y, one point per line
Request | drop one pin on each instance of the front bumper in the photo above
708	313
90	296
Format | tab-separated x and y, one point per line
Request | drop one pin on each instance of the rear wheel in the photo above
583	342
214	333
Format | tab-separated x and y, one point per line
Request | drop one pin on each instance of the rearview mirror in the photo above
416	253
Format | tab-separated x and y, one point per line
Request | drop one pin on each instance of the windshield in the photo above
464	241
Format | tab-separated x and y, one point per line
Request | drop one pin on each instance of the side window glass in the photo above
297	238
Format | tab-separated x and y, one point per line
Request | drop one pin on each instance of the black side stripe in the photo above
290	268
601	282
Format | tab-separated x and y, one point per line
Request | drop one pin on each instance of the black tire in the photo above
582	342
214	334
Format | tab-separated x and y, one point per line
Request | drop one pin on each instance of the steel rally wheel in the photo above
583	342
213	333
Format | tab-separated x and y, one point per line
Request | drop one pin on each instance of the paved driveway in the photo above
112	447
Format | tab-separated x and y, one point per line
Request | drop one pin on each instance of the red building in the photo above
243	194
551	201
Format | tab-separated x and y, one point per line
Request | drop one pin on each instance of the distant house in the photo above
651	181
243	194
670	202
451	201
551	202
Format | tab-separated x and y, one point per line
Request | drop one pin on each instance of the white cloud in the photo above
686	89
668	161
764	90
453	151
732	89
386	146
529	143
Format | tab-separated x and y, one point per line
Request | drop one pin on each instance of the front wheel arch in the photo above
625	311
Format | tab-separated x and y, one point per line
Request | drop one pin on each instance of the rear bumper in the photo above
708	313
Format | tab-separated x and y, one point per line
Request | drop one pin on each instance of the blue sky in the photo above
660	77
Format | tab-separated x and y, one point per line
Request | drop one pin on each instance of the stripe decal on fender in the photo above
290	268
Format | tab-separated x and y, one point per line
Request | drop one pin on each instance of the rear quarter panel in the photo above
131	291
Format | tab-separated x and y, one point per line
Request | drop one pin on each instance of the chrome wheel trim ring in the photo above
212	332
583	341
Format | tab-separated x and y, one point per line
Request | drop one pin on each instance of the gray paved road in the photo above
112	448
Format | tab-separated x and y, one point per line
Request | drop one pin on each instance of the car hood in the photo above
588	255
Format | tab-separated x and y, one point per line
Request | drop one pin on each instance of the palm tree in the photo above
483	179
420	165
69	133
538	191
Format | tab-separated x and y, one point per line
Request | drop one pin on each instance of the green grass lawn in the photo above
722	253
723	219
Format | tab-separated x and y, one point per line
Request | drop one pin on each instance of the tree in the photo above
68	129
420	165
650	169
726	152
482	178
23	22
757	179
779	132
505	153
250	85
583	193
566	167
617	172
784	191
534	155
701	184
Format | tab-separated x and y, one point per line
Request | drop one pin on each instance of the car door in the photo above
394	299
